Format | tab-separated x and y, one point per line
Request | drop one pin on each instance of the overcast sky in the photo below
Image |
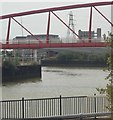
37	24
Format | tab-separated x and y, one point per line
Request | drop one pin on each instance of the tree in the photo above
109	87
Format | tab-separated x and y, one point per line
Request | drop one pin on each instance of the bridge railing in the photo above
62	40
46	107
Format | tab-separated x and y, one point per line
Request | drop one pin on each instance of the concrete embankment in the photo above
74	63
21	72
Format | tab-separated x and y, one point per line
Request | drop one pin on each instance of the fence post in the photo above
60	105
22	107
95	103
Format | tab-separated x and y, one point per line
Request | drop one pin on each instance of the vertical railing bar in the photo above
2	111
23	107
5	105
89	105
78	105
32	108
70	108
51	106
32	111
60	105
29	114
57	106
69	105
35	109
48	108
26	107
18	110
42	107
81	105
54	107
95	104
14	109
45	107
7	110
92	107
63	106
38	107
74	106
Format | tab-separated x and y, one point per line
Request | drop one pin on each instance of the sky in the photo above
37	24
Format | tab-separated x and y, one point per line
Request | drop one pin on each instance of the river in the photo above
57	81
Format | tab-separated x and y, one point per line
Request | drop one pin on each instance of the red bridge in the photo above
50	11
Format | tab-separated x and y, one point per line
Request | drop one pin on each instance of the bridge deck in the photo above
52	45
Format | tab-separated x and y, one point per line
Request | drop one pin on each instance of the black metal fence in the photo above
34	108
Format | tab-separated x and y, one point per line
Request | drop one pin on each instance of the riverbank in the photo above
73	63
21	72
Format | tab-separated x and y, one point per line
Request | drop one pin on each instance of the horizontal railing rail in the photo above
51	107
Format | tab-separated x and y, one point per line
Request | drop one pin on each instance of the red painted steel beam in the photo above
53	45
66	25
8	31
48	28
56	9
26	29
90	25
103	16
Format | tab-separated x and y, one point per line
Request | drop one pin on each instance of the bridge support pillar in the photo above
35	55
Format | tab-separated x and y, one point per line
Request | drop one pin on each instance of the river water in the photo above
57	81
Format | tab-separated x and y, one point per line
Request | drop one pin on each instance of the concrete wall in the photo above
21	72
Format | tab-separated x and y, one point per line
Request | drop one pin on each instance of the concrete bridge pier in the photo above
35	55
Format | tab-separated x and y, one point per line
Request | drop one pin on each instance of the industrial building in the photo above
29	54
94	35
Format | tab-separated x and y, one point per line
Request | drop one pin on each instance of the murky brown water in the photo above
57	81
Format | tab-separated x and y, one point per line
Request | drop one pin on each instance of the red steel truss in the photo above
52	45
50	10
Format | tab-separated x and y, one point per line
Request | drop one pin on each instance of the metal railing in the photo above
62	40
49	107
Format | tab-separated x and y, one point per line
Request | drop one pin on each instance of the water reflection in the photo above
19	82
